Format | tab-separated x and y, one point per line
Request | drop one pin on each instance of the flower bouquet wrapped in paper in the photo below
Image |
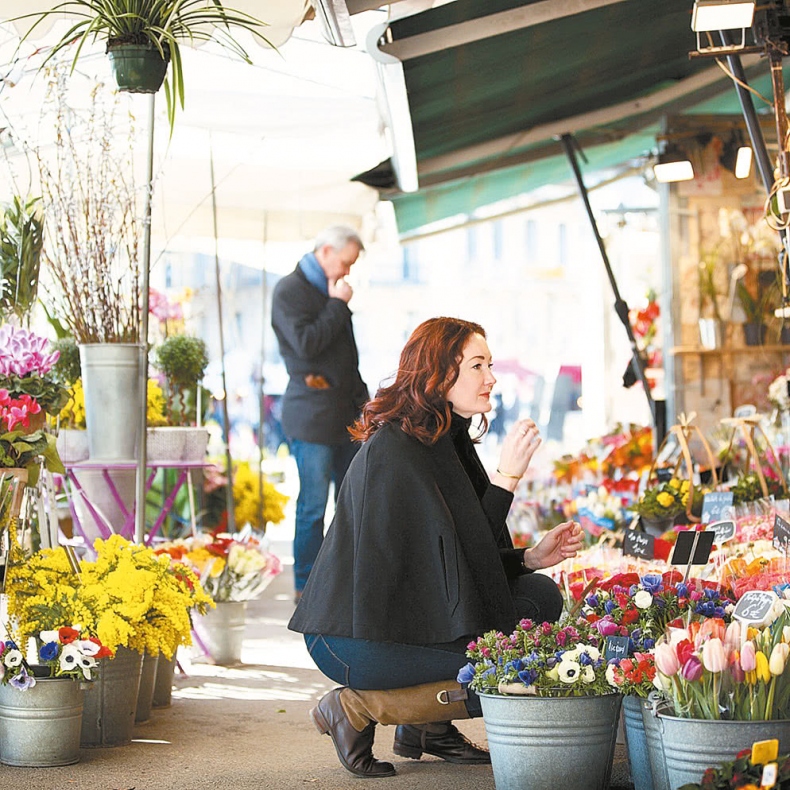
230	568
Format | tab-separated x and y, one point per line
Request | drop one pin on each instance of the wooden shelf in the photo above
680	351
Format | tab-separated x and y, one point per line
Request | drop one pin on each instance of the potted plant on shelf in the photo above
182	361
541	687
144	37
754	308
710	321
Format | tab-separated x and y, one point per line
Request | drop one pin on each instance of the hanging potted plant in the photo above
144	36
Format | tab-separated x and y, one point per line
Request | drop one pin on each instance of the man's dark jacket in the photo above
316	339
413	554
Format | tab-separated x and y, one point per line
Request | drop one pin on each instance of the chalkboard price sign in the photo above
714	504
753	606
616	647
781	534
700	542
639	544
724	531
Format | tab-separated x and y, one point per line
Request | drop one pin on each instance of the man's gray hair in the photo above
337	236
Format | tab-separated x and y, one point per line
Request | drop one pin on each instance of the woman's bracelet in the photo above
505	474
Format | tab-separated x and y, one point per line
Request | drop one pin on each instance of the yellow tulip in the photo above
778	658
762	670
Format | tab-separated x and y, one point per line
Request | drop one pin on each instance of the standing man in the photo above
325	393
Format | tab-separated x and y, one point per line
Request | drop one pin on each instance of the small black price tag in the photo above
639	544
616	647
781	539
686	542
754	606
724	531
714	504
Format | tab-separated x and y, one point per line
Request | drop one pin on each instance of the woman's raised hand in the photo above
518	447
558	544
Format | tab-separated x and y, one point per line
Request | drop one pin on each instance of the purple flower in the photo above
592	600
23	353
22	681
609	606
48	651
692	669
652	582
465	674
606	627
528	676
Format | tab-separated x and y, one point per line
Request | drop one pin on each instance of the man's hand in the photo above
340	289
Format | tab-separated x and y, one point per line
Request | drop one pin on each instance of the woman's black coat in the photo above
411	555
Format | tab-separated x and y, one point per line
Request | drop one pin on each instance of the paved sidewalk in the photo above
247	728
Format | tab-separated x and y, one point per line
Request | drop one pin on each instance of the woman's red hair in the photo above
428	368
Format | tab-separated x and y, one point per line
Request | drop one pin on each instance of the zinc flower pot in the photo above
657	525
40	726
145	696
551	742
163	684
692	745
636	743
111	383
72	445
221	631
655	747
111	700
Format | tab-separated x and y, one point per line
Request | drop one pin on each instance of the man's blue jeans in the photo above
318	466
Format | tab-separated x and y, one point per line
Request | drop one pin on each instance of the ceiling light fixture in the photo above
736	156
718	15
673	165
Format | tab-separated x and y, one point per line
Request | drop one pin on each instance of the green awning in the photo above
485	114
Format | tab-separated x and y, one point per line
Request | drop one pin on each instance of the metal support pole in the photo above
262	382
142	445
225	419
620	306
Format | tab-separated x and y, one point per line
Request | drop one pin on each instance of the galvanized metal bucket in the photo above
163	685
655	747
692	745
220	631
563	742
145	696
111	383
111	700
40	727
636	743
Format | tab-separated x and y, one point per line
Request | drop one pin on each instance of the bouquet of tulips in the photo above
711	670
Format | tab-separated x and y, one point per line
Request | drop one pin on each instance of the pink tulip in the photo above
714	659
732	637
748	657
666	660
736	671
691	670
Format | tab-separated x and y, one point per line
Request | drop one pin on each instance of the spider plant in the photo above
160	24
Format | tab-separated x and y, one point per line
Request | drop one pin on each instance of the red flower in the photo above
630	616
67	635
684	650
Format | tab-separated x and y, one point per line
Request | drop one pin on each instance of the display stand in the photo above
74	491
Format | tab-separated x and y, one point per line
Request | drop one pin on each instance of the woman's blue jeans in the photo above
365	664
318	466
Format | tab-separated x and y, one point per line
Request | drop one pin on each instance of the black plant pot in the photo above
754	334
137	68
784	335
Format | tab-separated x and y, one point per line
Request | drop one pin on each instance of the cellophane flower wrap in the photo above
711	670
641	607
128	596
229	568
540	659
